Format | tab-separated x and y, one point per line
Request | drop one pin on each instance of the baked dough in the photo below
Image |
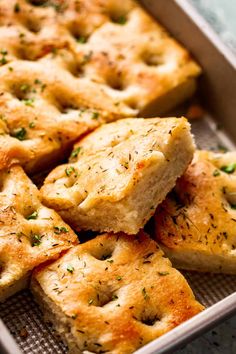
43	111
120	173
196	224
30	233
117	44
113	294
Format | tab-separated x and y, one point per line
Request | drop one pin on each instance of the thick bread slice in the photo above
115	44
196	224
120	173
30	233
44	110
113	294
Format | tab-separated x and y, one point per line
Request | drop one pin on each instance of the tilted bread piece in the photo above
30	233
44	110
113	294
119	174
196	225
116	44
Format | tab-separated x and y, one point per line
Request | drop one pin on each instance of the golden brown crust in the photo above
119	174
197	223
43	110
58	58
30	233
114	293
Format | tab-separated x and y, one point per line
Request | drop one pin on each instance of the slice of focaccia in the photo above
113	294
196	224
44	110
117	44
120	173
30	233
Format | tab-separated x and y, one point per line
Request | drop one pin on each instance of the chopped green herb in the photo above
10	68
69	170
216	173
229	168
29	102
233	206
60	229
37	81
32	216
75	152
114	297
121	20
24	88
70	268
74	316
90	301
20	133
36	240
81	39
31	125
17	8
163	273
110	260
95	115
145	295
3	59
119	278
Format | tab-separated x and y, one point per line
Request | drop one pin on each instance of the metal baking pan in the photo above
217	93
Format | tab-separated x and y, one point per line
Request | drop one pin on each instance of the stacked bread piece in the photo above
74	74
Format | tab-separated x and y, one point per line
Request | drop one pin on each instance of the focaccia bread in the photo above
117	44
120	173
113	294
30	233
196	224
44	109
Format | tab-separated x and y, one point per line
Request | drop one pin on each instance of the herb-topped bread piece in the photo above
113	294
44	110
196	224
120	173
115	44
30	233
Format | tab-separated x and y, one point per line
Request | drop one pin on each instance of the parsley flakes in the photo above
69	170
36	240
3	59
20	133
32	216
145	295
216	173
75	152
60	229
70	268
229	168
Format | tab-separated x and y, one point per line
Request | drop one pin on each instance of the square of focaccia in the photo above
30	233
117	44
113	294
120	173
196	224
44	110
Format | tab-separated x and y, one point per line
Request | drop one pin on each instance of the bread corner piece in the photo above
113	294
196	224
120	173
30	233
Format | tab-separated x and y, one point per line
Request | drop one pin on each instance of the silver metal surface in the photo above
189	329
